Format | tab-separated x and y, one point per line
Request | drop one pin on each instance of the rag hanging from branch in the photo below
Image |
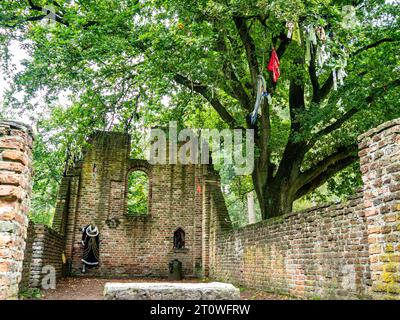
311	35
261	91
311	38
334	79
308	52
273	65
341	74
296	33
322	56
290	27
321	33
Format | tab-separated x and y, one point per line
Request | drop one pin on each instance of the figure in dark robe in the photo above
90	243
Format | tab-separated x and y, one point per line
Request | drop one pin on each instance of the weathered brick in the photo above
11	192
12	166
10	178
15	175
12	143
14	155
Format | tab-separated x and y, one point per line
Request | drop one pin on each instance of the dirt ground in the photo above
92	289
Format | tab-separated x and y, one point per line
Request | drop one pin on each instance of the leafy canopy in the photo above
132	64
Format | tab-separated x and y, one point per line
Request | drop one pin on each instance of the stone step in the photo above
171	291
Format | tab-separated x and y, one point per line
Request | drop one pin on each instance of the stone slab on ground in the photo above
171	291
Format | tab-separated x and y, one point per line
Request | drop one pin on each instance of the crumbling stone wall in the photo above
15	190
95	190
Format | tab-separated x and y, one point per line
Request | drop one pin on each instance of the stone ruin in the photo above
345	250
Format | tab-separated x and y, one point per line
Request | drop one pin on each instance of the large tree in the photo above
111	53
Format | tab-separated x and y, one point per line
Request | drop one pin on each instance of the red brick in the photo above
12	166
11	192
15	155
9	178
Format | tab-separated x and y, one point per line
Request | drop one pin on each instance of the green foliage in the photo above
235	189
47	165
118	62
30	294
138	189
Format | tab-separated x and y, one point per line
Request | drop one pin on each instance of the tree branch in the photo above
325	169
238	91
34	7
207	94
332	127
350	113
324	90
325	176
373	45
312	70
285	41
249	46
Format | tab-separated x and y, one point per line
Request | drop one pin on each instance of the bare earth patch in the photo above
92	289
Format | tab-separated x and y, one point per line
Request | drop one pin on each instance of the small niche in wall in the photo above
179	240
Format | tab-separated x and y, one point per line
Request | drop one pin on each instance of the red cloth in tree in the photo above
273	65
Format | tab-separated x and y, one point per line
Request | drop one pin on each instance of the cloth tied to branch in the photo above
296	33
341	74
321	33
310	39
273	65
322	56
290	27
261	90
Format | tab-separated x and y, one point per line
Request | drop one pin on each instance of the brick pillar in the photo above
380	166
15	190
205	247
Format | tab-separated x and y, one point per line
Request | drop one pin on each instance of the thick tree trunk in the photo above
277	192
277	198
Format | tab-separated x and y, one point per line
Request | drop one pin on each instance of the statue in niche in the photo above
179	239
90	244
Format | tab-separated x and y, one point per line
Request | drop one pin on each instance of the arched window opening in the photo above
138	193
179	239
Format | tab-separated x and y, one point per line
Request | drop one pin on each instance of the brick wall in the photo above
47	249
15	189
26	269
94	191
317	253
347	250
380	165
44	247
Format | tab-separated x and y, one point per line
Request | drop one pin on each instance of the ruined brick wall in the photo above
15	190
317	253
135	245
26	269
346	250
46	249
380	166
